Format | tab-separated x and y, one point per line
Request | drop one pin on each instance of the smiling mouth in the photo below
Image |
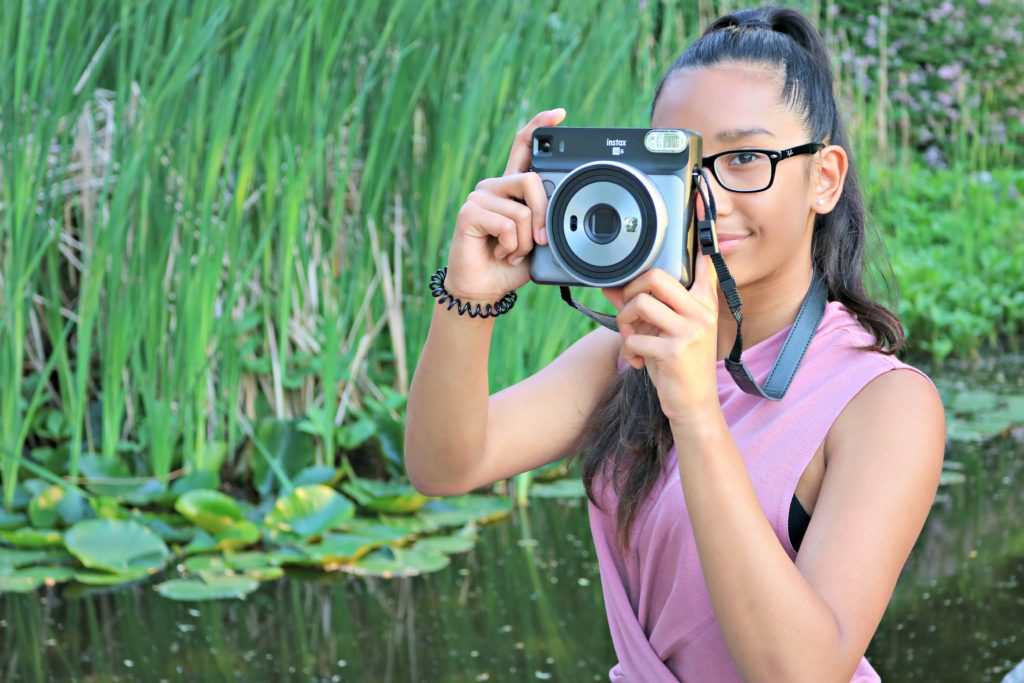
731	238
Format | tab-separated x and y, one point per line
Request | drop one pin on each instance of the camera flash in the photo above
665	141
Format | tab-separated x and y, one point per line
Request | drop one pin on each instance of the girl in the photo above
737	537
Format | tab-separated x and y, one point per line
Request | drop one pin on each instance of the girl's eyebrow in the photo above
737	133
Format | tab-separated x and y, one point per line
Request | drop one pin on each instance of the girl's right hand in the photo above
499	224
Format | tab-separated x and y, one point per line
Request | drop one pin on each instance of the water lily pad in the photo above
209	587
391	562
310	511
143	493
339	548
202	542
291	556
108	507
241	535
11	520
381	532
292	448
318	474
249	560
211	511
394	497
423	522
951	477
105	477
19	584
444	545
118	546
975	401
27	537
109	579
265	573
194	481
562	488
459	510
43	508
11	557
164	528
205	563
48	575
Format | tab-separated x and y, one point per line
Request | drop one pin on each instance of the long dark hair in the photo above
627	437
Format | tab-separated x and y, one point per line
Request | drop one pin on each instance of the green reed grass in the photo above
230	211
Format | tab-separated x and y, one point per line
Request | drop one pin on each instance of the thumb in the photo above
614	295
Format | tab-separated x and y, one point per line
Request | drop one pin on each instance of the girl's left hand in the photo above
674	332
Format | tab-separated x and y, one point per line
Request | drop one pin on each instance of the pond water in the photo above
524	604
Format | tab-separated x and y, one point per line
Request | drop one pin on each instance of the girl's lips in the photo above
727	243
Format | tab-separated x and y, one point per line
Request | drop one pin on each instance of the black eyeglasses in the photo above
752	170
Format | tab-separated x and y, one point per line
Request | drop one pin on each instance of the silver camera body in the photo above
620	202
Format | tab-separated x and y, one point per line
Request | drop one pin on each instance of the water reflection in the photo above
525	604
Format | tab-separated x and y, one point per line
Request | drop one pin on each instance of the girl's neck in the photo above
769	306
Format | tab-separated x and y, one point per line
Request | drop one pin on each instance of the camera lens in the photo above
602	223
545	146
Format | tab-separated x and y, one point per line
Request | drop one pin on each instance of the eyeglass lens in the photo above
744	170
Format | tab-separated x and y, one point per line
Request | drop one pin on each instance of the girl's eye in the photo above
745	158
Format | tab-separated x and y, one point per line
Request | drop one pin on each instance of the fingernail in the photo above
543	235
517	260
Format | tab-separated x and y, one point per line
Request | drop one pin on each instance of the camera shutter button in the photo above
549	187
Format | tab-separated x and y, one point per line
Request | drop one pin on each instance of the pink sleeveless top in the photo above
659	611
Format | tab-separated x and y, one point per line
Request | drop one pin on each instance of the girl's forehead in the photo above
721	101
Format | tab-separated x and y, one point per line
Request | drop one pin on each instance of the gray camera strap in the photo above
800	334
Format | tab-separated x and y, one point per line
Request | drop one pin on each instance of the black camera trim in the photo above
648	222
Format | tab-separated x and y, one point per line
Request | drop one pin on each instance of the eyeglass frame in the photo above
774	156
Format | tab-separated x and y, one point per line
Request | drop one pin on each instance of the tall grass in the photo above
218	212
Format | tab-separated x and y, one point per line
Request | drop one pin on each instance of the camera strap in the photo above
797	340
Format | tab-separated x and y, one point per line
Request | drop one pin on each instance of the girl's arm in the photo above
813	620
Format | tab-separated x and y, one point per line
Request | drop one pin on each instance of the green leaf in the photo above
202	542
109	579
211	511
395	562
380	531
265	573
459	510
310	511
393	497
351	436
339	548
19	584
26	537
197	479
11	520
293	449
318	474
562	488
47	575
116	546
209	588
205	563
43	508
243	533
13	558
249	560
445	545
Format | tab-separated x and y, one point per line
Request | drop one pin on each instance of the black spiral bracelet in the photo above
442	296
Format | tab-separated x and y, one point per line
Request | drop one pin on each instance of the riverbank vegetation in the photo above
218	221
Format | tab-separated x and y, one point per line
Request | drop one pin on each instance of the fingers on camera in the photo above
519	156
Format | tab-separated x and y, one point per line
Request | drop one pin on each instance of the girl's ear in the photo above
831	178
614	295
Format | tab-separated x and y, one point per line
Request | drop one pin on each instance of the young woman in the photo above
738	538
